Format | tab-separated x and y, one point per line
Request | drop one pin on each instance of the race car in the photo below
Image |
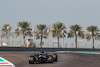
42	57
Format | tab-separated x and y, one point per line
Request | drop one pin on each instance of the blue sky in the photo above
83	12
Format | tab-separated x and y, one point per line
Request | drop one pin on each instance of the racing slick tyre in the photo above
31	59
55	57
50	59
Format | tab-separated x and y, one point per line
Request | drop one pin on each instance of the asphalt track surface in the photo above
65	59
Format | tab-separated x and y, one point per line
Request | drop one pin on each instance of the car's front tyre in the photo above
31	59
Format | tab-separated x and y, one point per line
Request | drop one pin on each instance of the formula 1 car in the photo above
42	57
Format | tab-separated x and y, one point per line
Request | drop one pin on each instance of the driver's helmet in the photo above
43	52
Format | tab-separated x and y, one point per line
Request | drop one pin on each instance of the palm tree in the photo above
25	30
57	31
6	32
41	32
93	32
75	31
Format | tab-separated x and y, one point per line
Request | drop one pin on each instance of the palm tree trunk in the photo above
63	43
58	42
93	42
24	39
41	42
20	39
76	40
7	38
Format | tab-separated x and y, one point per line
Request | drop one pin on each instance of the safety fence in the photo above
48	45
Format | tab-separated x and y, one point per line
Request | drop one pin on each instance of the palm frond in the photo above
94	32
41	31
75	28
57	30
5	31
25	28
88	36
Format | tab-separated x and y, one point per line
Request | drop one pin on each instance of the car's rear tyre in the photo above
55	57
50	59
31	59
